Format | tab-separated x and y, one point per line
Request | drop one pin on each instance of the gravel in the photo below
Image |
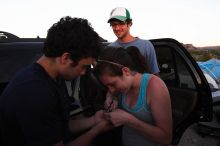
192	138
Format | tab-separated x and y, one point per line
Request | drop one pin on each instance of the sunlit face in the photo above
120	28
116	84
72	70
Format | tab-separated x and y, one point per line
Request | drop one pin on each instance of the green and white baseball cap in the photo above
119	13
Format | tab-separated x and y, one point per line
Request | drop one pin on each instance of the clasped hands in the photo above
112	116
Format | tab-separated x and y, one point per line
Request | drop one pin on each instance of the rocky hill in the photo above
192	47
203	53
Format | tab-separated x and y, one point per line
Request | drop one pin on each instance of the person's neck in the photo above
137	80
49	66
126	39
134	90
136	84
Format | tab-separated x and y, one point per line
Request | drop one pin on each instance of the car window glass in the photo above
185	78
173	69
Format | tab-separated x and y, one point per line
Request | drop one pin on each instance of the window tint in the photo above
173	68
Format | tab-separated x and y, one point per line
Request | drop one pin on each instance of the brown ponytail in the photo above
139	60
113	59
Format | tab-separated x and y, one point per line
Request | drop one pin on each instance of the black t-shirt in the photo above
33	109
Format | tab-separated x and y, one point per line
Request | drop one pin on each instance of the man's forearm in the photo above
85	139
77	125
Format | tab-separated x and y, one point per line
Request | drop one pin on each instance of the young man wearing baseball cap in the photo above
120	21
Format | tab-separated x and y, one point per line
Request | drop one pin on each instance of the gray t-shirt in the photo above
146	48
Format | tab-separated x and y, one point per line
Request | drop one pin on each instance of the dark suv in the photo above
189	90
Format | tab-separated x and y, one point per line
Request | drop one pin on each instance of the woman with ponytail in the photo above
144	106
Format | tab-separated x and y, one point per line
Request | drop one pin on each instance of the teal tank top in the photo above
142	111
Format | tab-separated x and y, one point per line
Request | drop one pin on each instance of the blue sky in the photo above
188	21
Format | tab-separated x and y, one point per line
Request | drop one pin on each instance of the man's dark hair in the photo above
129	20
72	35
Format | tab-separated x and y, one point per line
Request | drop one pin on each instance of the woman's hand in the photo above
118	117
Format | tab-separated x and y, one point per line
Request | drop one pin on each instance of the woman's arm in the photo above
160	104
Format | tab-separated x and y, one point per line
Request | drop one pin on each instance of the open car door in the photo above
189	90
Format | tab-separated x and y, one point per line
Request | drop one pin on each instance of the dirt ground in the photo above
192	138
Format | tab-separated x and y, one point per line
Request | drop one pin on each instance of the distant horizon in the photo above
107	40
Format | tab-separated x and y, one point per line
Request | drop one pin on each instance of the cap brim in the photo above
120	18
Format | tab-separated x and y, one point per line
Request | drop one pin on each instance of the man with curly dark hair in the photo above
34	106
